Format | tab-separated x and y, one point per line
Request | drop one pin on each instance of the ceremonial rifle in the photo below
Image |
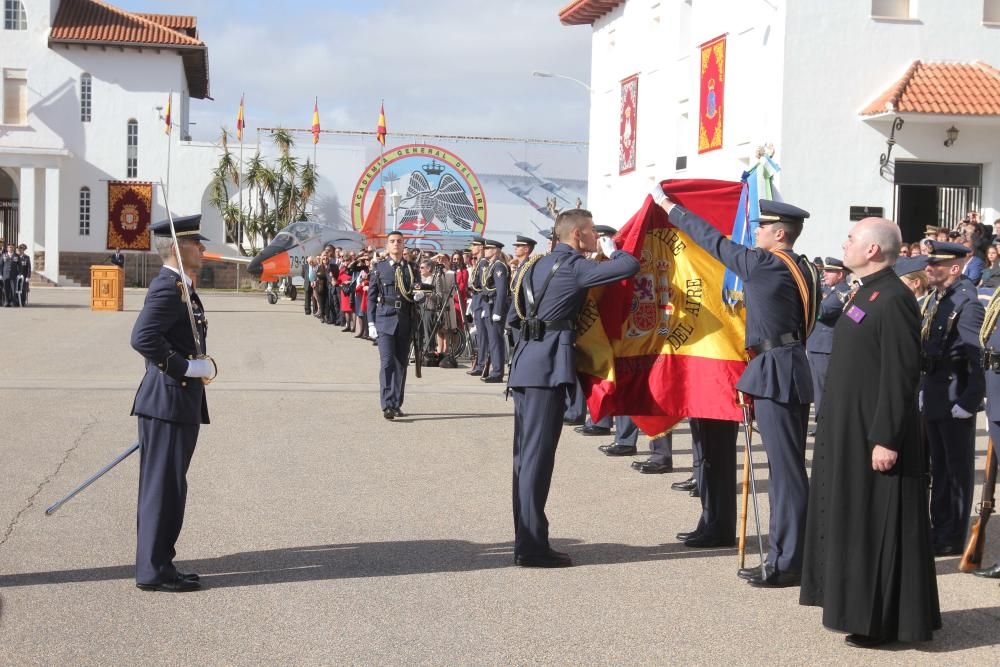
973	556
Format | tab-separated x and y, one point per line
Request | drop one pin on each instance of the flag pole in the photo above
381	170
239	187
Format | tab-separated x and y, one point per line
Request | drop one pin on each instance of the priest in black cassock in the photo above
868	555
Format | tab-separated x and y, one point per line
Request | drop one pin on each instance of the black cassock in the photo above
868	556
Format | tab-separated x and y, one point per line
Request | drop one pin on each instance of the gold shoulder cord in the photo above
401	286
927	312
991	318
516	293
486	275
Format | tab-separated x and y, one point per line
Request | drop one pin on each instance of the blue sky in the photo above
445	66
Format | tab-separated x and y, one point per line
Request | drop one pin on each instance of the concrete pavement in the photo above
326	535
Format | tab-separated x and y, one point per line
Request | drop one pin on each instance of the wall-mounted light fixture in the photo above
883	160
952	134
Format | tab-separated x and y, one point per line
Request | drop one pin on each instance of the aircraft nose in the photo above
256	266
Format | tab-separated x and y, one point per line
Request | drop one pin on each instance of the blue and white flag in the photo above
757	184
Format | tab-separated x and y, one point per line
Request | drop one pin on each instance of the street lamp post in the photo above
394	200
550	75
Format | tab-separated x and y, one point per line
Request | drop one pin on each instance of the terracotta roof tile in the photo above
585	12
964	89
92	21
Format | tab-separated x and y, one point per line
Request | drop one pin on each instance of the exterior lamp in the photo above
952	134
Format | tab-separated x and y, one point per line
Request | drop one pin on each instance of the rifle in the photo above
972	558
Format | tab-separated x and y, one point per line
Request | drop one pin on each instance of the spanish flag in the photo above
380	130
315	123
662	345
166	117
239	121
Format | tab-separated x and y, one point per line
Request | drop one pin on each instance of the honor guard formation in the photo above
891	345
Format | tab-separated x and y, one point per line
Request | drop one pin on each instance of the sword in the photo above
100	473
198	344
747	431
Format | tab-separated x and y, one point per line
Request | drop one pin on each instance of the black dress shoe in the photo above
190	576
389	414
574	422
178	585
947	550
708	542
694	493
686	485
493	380
593	430
474	371
398	412
688	535
620	450
988	572
771	577
654	468
550	559
864	641
748	573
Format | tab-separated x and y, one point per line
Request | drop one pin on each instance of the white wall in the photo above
840	61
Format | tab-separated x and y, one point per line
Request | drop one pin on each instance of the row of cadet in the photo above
15	275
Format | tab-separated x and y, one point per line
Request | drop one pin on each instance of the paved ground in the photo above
327	535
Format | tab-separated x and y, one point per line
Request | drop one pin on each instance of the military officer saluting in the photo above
781	292
951	391
392	291
523	247
479	263
495	300
820	342
551	292
170	403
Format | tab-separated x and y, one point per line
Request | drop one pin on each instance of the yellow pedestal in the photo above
107	287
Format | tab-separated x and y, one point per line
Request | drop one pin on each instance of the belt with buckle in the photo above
771	343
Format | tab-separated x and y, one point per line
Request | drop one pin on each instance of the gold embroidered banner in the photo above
130	206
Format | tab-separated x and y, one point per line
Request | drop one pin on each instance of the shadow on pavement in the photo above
367	559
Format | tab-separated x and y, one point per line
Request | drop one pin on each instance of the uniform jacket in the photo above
993	378
551	362
387	308
9	267
497	277
162	335
952	363
773	308
830	309
476	284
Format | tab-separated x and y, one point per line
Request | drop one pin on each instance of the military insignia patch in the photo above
873	296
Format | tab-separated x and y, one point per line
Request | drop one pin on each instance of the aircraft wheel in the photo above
272	298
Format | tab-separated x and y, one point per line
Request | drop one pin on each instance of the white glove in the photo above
495	318
482	313
659	196
958	412
199	368
920	401
607	245
418	296
371	331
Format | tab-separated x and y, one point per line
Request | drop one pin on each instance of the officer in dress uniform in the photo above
8	276
713	445
552	293
989	337
820	342
523	247
495	301
777	376
22	255
170	405
479	263
392	292
952	387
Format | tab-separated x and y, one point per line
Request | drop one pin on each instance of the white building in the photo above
84	89
824	82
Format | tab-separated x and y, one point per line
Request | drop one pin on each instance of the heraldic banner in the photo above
130	207
627	124
662	345
712	94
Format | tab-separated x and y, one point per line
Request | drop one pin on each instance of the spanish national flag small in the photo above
380	132
239	121
315	123
166	117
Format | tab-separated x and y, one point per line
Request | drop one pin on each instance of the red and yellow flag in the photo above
315	123
380	130
662	346
239	121
166	116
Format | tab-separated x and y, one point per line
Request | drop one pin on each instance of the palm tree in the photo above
308	180
283	139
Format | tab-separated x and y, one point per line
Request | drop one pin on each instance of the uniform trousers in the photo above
394	357
164	456
497	346
575	405
783	430
818	363
308	297
538	415
952	445
713	443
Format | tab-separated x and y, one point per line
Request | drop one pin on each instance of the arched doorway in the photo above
9	228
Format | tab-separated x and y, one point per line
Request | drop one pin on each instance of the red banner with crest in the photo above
130	207
712	94
627	124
